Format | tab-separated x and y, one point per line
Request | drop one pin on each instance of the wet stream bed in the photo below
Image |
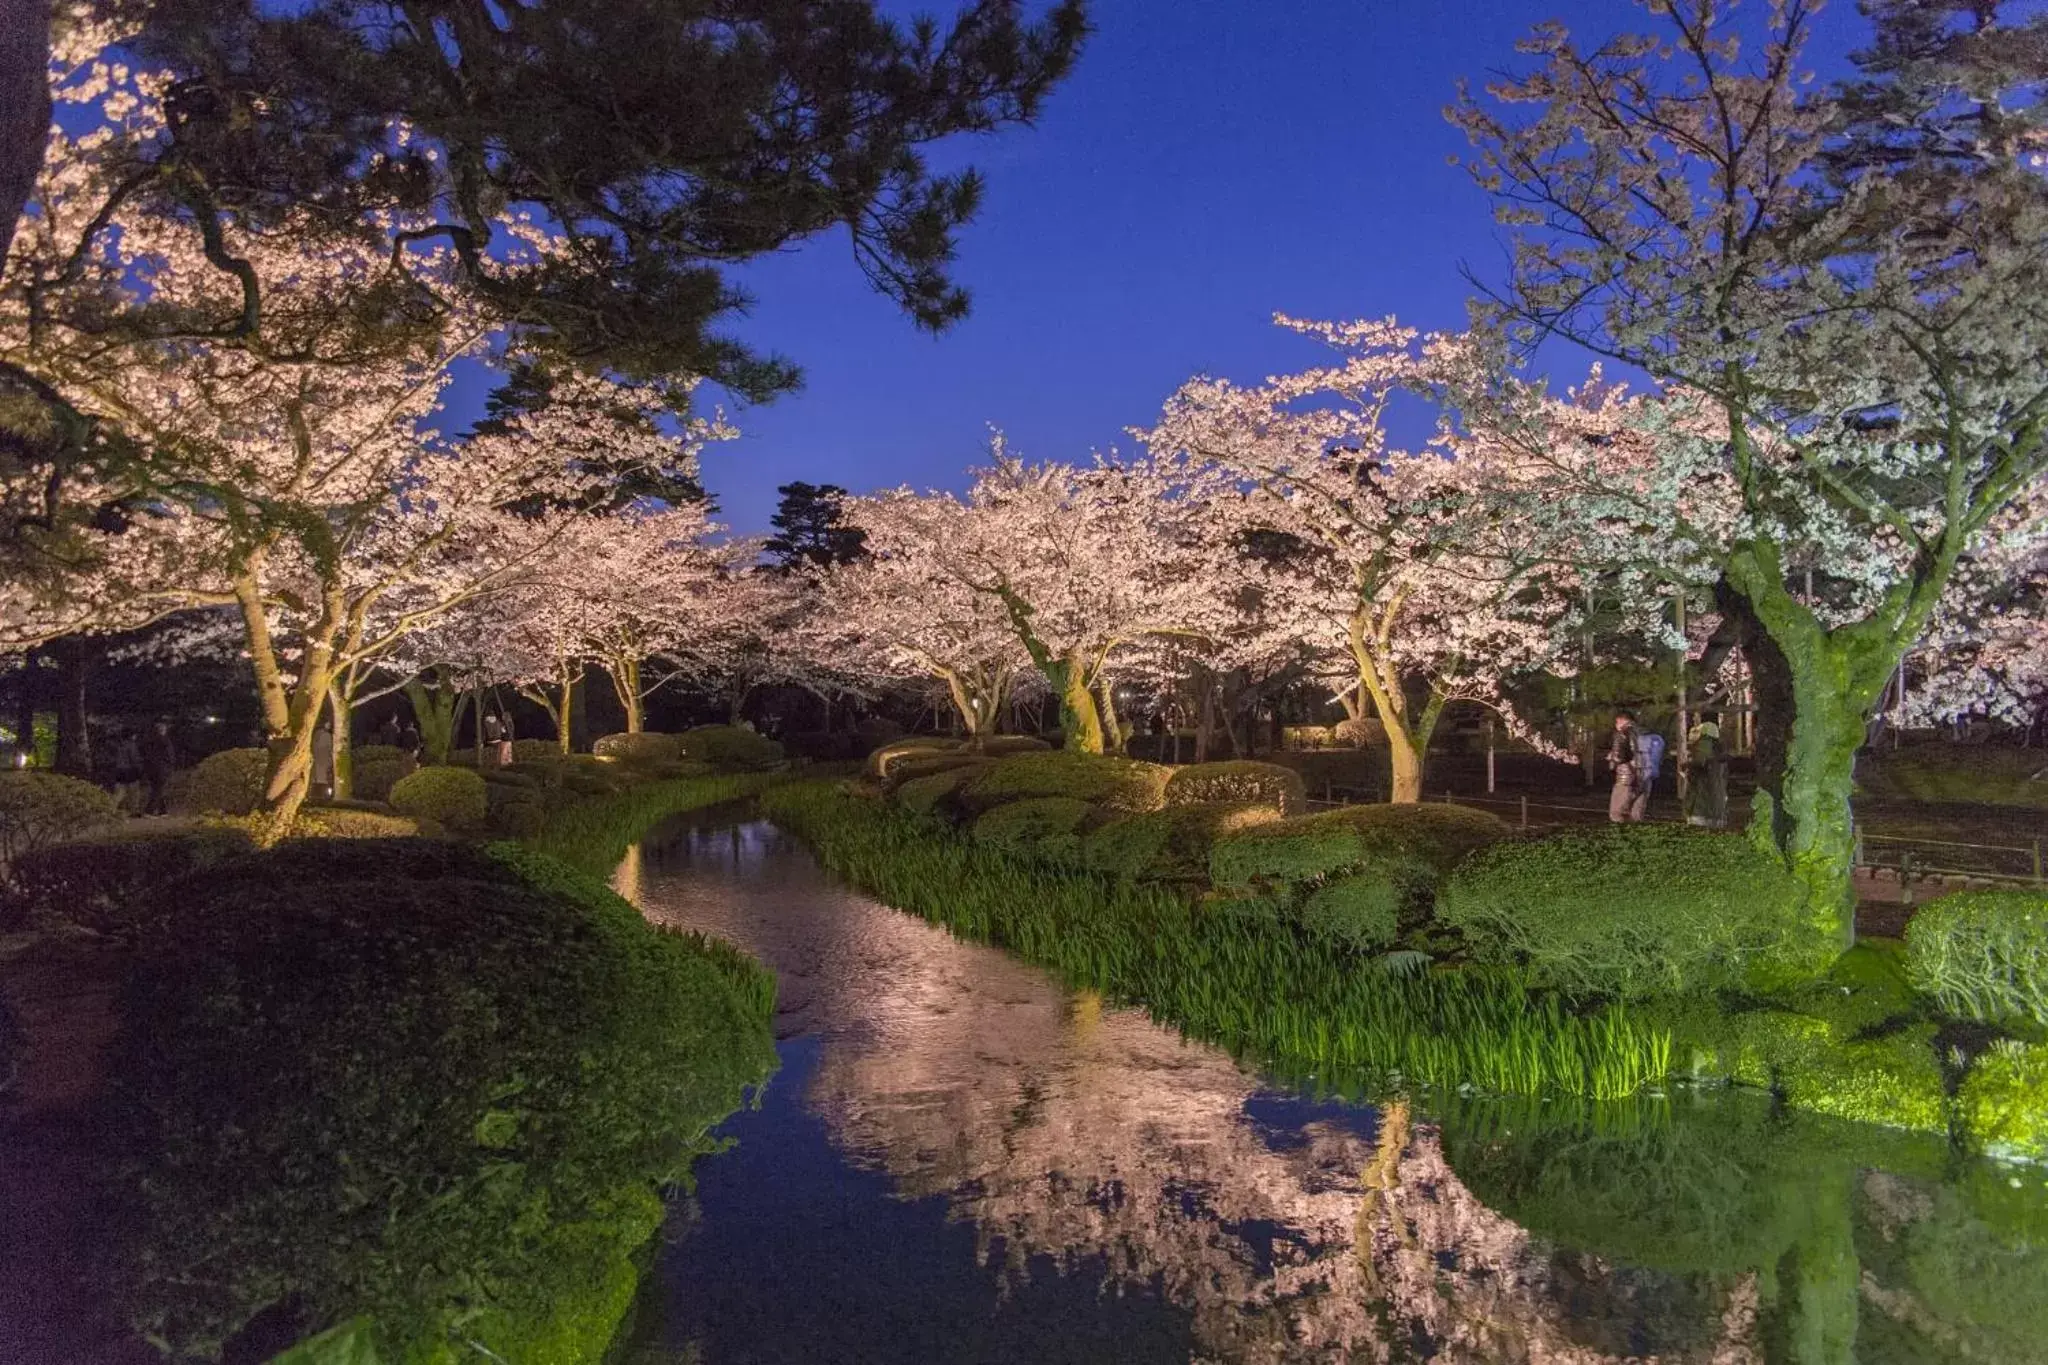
961	1160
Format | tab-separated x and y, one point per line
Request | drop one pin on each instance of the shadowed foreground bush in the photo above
417	1083
1258	985
1629	910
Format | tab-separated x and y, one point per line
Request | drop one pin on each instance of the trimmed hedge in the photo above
1118	784
732	749
399	1082
881	761
1628	910
41	809
453	797
229	782
1241	782
911	768
1045	828
1361	913
1171	844
1983	954
641	746
933	793
375	768
2004	1100
1414	845
1003	746
536	751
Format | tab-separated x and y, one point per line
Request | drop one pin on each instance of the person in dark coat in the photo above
159	761
1622	805
1707	769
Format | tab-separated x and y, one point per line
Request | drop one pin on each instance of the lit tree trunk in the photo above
1205	725
559	703
290	712
1069	675
1113	735
477	730
978	698
437	710
1833	680
1378	677
625	675
342	713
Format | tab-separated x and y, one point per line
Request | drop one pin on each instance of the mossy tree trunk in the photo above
557	697
1070	673
437	710
291	711
342	713
1826	682
1114	736
978	695
624	671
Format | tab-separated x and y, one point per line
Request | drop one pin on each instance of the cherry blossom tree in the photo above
1081	560
1384	557
1850	283
903	614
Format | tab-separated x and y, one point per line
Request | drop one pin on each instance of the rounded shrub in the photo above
1983	954
536	751
1002	746
453	797
924	765
348	822
1410	844
933	793
375	768
1629	911
1046	828
1892	1079
884	759
1239	781
640	746
2004	1101
229	782
40	809
432	1086
1170	844
731	748
1363	913
1117	784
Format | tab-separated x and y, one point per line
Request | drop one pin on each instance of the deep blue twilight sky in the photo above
1208	163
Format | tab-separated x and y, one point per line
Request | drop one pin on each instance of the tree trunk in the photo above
1406	789
74	739
1113	735
342	714
477	730
25	705
438	712
625	676
1080	722
1205	726
24	107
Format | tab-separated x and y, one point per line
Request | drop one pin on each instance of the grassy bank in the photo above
592	834
1251	985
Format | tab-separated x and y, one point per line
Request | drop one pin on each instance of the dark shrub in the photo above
883	760
1172	844
1627	910
229	782
406	1080
1240	783
41	809
456	798
933	794
1047	828
731	749
536	751
1002	746
1118	784
1983	954
96	882
642	746
375	768
1414	845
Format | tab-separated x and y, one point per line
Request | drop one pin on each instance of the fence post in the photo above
2037	860
1906	877
1525	810
1326	791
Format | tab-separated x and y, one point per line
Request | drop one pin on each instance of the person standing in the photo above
1707	792
159	761
1621	758
1649	763
388	733
504	741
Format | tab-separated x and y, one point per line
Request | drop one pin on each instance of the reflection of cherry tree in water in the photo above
1107	1145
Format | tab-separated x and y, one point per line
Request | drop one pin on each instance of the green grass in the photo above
1259	987
593	834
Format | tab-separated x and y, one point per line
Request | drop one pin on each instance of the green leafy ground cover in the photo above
402	1099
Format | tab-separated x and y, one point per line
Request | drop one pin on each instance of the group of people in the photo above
1636	755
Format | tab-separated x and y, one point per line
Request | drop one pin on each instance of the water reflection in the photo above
961	1161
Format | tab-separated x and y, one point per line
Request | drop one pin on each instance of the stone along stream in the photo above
961	1160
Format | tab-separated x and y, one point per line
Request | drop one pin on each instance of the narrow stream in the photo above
960	1160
